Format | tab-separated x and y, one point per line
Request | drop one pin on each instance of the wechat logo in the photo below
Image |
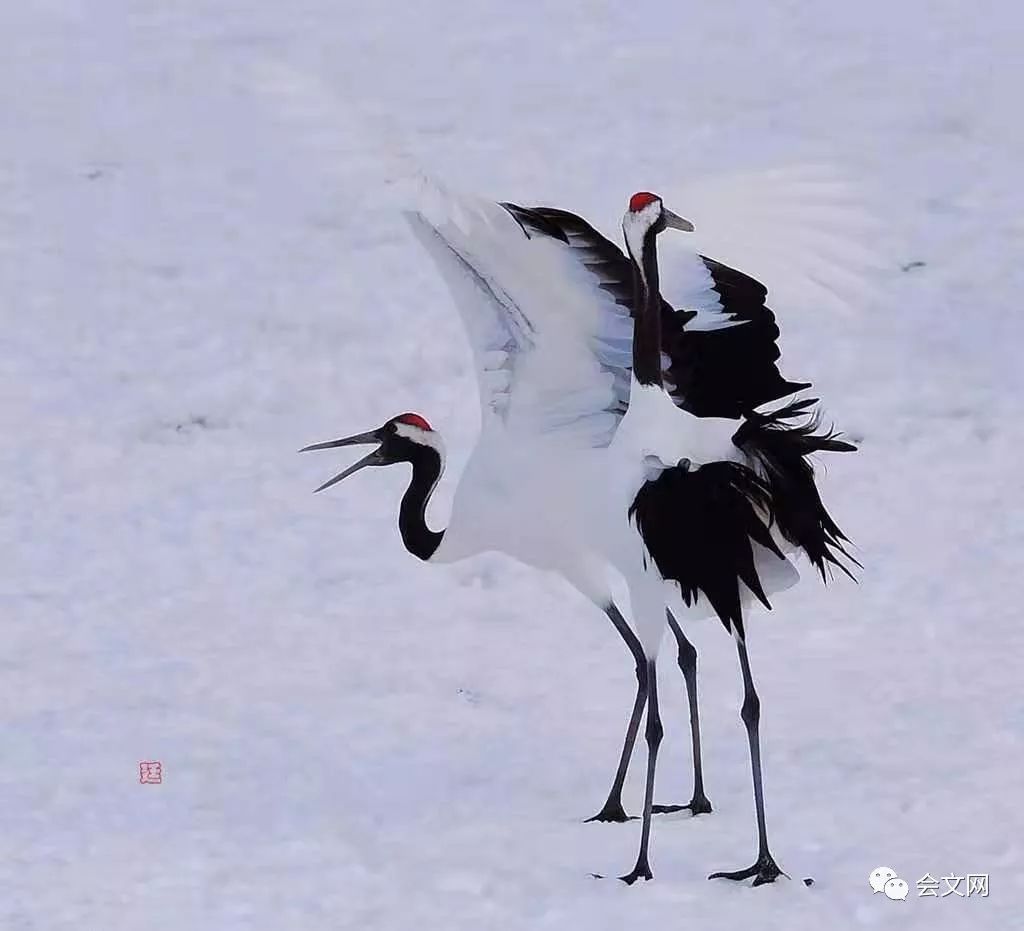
884	879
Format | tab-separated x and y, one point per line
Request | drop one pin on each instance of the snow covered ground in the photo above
197	278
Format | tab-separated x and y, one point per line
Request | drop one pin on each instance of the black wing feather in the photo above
715	373
728	372
783	449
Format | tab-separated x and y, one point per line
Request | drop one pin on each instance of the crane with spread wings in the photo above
625	436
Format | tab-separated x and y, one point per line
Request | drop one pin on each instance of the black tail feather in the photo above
781	448
701	526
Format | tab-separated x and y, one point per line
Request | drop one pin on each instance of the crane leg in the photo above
765	869
653	732
612	809
699	804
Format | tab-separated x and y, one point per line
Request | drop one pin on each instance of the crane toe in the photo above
611	814
640	871
698	805
765	870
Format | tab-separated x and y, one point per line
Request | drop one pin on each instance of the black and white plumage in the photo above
577	453
712	369
707	525
730	509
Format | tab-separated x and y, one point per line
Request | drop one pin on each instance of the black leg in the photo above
612	809
699	804
765	869
642	870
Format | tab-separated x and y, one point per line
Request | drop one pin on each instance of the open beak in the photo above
360	439
676	222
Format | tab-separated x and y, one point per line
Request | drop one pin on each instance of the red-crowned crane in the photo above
619	439
725	491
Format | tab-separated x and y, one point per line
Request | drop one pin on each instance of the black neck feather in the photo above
647	322
418	538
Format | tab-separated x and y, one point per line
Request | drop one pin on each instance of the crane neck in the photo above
647	311
419	539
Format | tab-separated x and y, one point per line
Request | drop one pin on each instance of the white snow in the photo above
201	271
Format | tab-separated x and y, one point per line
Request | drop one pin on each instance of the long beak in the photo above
360	439
676	222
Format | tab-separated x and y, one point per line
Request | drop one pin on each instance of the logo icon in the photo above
884	879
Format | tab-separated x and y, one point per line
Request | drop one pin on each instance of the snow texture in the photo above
202	270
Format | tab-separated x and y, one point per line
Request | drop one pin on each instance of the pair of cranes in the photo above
623	437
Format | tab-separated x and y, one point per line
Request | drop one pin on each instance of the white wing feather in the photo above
552	349
687	284
806	231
